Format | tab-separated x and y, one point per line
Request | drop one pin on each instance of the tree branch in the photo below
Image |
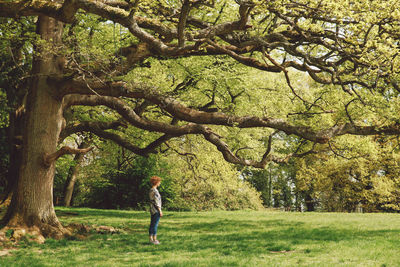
88	126
98	128
182	22
187	114
248	61
68	10
48	159
107	9
150	148
132	117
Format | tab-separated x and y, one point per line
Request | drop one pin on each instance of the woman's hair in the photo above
154	180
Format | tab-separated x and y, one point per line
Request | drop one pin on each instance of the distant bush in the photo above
211	194
210	184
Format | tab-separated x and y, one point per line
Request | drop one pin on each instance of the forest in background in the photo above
348	173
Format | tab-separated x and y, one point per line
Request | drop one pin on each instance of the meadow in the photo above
221	238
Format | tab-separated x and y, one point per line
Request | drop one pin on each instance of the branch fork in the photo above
48	159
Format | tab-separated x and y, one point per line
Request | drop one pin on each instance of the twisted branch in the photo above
48	159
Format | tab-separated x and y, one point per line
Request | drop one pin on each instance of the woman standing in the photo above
155	209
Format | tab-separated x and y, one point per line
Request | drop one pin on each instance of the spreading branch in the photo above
99	129
197	120
49	159
184	113
89	126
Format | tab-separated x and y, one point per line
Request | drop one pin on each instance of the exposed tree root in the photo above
11	236
33	226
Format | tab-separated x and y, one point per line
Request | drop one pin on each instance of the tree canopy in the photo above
353	49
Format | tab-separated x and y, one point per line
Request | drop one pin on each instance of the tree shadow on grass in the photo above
179	232
255	237
100	213
226	225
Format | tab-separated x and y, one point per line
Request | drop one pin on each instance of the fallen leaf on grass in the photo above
283	251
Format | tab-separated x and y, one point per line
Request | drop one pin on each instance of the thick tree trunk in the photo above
72	175
32	201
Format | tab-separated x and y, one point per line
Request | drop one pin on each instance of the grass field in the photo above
220	238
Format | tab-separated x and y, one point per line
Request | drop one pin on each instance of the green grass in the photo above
220	238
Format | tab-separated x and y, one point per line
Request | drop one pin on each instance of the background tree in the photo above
262	181
361	173
73	174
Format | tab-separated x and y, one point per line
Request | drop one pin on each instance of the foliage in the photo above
3	159
4	145
62	169
16	38
115	178
4	121
261	180
128	187
282	192
277	186
363	173
220	238
205	181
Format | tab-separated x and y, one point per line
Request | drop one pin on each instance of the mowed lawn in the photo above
222	238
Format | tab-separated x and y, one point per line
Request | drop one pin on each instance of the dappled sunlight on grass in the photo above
221	238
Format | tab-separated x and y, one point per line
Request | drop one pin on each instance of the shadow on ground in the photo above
179	232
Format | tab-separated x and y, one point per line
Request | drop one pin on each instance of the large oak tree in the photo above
351	46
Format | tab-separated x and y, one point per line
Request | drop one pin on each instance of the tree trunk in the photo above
72	175
309	201
31	205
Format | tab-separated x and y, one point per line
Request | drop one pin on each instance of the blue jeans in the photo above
155	218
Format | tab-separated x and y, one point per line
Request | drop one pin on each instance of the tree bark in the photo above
31	205
310	203
73	175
